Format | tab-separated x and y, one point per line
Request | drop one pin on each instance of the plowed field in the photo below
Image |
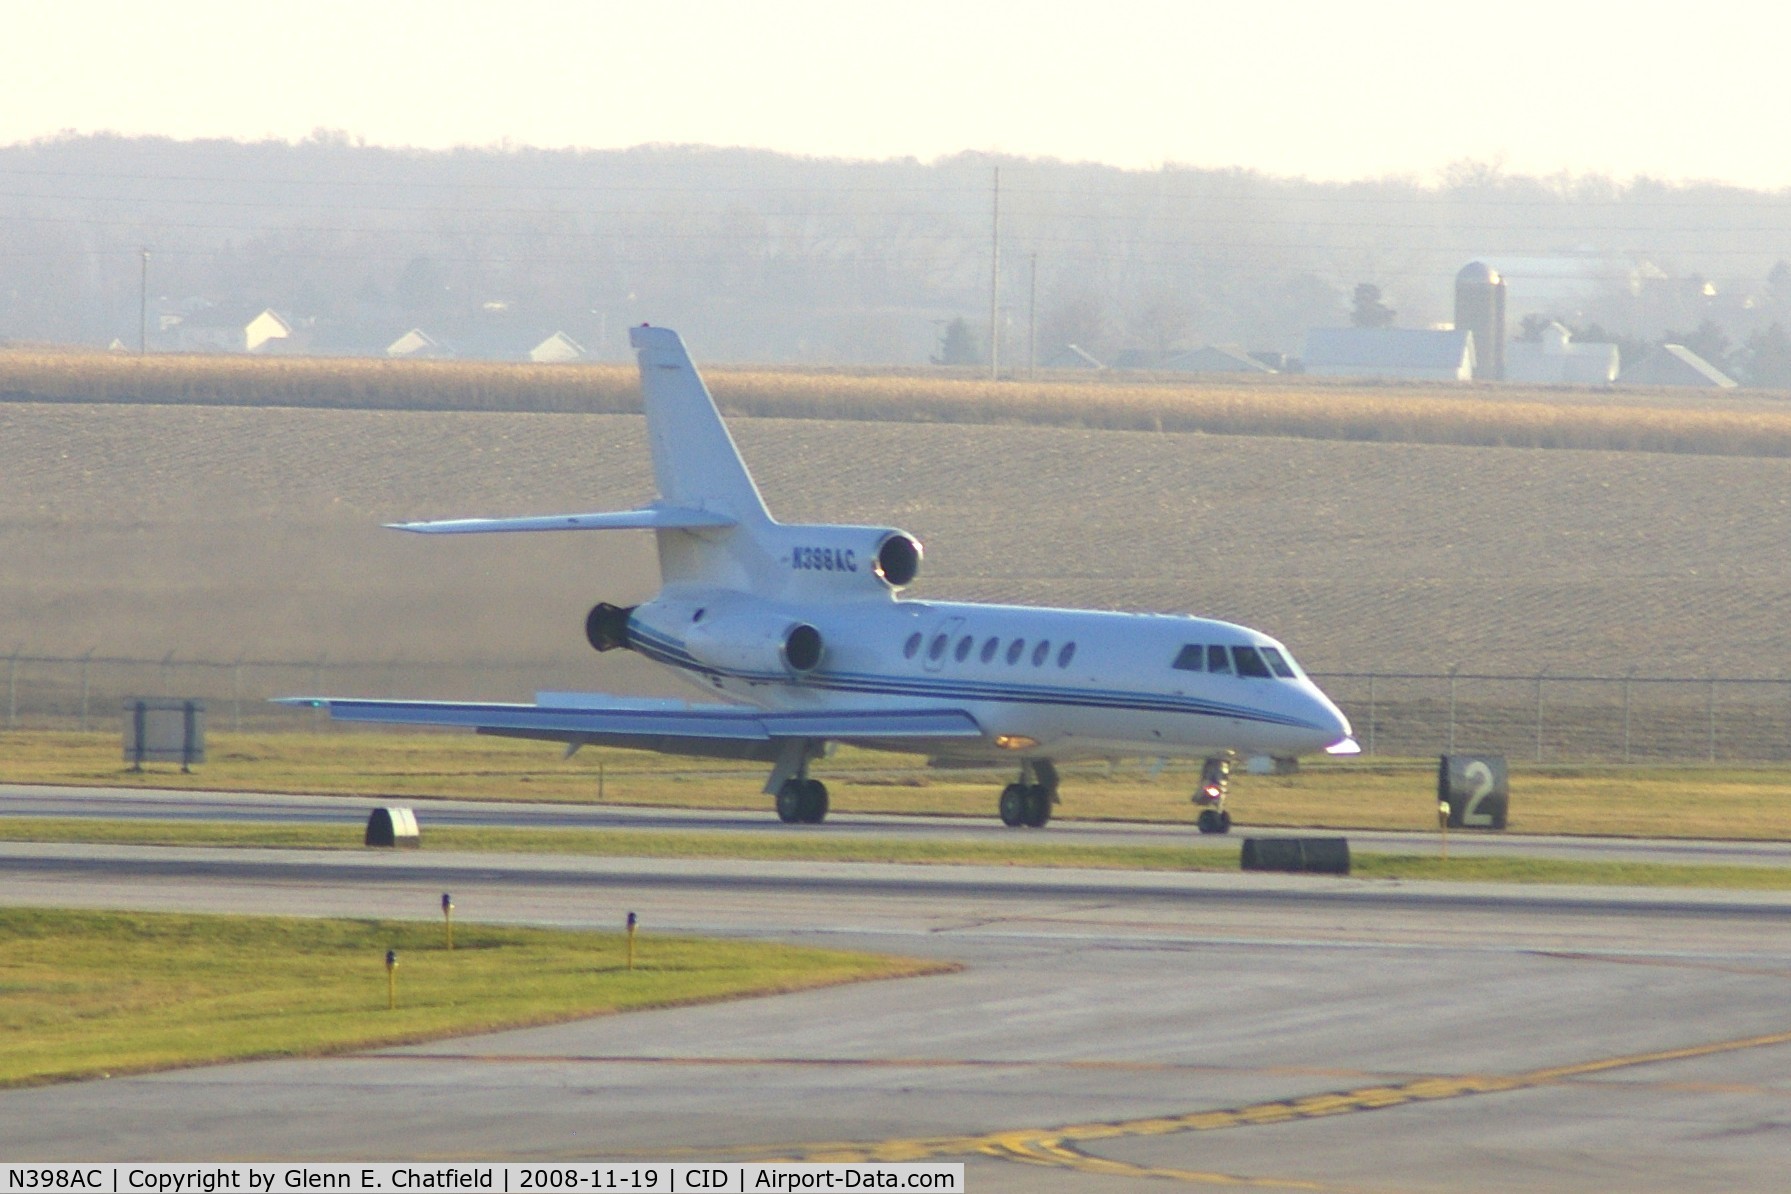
224	532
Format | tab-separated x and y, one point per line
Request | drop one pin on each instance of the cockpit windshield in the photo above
1257	663
1250	663
1282	665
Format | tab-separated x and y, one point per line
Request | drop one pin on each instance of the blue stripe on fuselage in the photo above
664	649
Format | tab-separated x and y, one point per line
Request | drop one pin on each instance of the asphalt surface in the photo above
1108	1030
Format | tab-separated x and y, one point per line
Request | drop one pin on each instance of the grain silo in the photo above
1480	308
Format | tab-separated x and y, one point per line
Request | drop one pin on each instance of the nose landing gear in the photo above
1029	801
1215	781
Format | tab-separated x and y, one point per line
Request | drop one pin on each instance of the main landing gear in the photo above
802	801
1215	779
1029	801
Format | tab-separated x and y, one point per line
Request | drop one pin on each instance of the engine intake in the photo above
756	644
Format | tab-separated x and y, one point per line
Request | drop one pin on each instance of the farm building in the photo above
1216	358
1070	356
558	348
416	345
1556	360
1390	352
1676	365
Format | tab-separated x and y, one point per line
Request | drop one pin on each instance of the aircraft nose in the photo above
1339	736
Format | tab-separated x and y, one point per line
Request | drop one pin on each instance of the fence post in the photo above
1371	678
1454	668
1626	681
1713	719
318	715
86	661
1539	715
236	696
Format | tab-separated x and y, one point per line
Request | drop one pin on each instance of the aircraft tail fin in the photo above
695	462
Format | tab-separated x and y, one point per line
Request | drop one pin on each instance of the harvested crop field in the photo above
228	532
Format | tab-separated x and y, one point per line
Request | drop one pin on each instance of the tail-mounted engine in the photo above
755	643
606	626
841	560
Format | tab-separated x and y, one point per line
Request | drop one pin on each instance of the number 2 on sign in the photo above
1480	775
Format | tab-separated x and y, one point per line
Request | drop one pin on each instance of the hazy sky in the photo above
1327	90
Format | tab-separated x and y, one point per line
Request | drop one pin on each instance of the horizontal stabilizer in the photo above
648	518
577	717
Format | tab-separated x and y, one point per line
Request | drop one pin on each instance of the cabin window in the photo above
936	649
1217	660
1039	652
963	651
1250	663
912	646
989	646
1278	663
1014	648
698	616
1192	658
1064	656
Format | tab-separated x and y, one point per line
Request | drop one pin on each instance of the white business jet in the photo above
802	631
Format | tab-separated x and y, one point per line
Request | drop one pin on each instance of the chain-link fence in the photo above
86	692
1553	719
1541	718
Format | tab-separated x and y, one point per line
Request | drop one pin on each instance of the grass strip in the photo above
86	994
800	847
1730	802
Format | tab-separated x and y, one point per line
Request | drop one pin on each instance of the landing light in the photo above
1344	746
1015	742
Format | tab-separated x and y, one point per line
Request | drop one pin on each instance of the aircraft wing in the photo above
670	726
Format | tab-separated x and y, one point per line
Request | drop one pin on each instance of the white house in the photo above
1556	360
260	333
557	349
417	345
1421	354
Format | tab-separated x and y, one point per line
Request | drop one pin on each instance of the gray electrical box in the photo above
164	730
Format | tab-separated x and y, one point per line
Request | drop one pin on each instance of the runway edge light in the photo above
391	980
631	923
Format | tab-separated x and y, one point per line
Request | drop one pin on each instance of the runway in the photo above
56	801
1108	1030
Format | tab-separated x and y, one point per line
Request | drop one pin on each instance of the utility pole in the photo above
1032	322
995	283
143	308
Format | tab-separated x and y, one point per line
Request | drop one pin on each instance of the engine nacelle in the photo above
866	559
606	626
756	643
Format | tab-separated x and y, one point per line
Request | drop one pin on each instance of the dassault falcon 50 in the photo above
801	636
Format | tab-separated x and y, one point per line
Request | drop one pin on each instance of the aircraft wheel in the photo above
1208	821
1038	806
789	801
813	808
1224	822
1013	806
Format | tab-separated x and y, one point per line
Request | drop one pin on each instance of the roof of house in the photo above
1388	348
1071	356
1217	358
1676	365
